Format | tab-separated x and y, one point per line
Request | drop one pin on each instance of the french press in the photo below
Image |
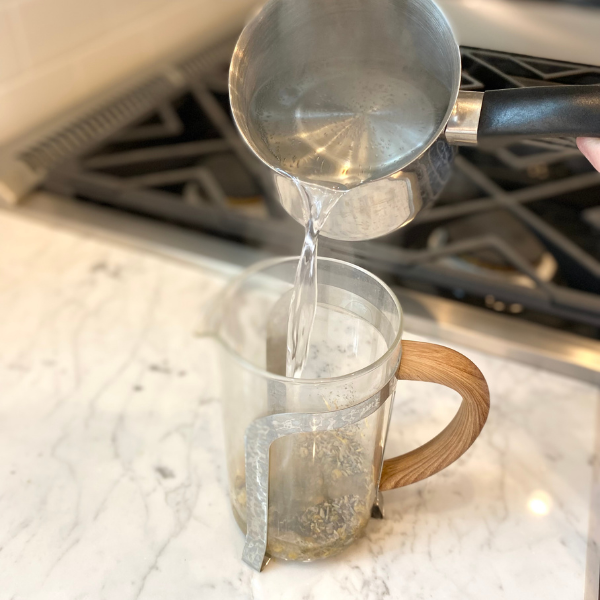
305	457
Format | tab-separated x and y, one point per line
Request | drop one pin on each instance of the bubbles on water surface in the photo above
327	124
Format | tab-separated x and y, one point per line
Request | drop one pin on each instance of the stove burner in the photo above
510	231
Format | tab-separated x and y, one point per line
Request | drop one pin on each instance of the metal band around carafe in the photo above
260	434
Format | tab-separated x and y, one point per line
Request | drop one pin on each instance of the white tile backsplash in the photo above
53	27
184	19
10	59
113	56
47	92
119	12
55	53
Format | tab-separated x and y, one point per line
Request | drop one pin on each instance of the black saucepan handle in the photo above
539	112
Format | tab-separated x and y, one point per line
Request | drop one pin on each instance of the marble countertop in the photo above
112	475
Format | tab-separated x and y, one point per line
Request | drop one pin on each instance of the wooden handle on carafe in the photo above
438	364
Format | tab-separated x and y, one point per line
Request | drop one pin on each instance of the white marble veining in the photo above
112	476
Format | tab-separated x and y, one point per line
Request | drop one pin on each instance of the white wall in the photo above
54	53
551	30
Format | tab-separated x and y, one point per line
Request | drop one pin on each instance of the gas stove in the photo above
507	261
515	231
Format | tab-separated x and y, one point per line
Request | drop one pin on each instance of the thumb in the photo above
590	147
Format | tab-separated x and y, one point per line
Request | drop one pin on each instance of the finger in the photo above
590	147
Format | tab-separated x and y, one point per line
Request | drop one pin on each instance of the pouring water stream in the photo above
318	203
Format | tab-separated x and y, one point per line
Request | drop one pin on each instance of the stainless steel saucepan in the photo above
364	95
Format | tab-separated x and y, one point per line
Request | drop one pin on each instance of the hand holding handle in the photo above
438	364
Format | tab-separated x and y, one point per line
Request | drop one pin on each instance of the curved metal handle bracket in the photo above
463	124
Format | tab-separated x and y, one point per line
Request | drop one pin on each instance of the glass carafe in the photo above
305	456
